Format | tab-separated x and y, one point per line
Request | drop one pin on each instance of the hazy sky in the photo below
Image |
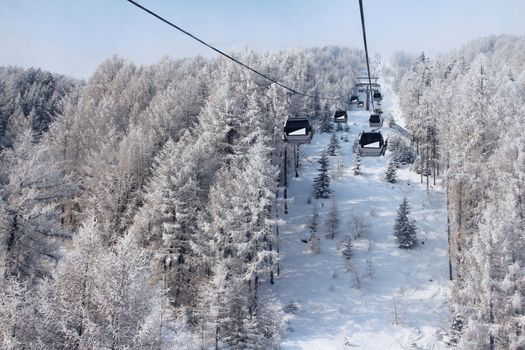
74	36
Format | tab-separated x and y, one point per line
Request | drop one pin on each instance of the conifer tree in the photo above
322	181
333	220
347	249
404	227
390	174
334	145
313	226
326	121
356	166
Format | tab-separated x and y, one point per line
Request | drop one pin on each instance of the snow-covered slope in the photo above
401	300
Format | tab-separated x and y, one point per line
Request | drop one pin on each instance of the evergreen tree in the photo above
404	227
333	220
326	121
333	145
347	248
356	165
390	174
322	181
314	244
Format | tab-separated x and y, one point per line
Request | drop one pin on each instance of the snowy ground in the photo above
401	302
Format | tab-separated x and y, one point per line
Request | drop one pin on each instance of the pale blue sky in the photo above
74	36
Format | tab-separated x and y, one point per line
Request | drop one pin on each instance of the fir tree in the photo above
332	221
313	224
347	249
322	181
356	166
404	228
326	121
333	146
390	175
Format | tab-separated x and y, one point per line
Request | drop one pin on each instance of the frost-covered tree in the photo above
333	145
102	299
322	180
332	221
347	249
326	124
314	243
356	163
391	170
404	227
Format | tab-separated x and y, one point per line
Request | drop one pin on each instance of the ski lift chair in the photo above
354	99
340	116
375	121
360	103
372	144
377	96
297	131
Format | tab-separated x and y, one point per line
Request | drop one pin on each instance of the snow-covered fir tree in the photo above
333	145
322	180
356	162
314	242
404	227
347	249
332	221
391	170
326	124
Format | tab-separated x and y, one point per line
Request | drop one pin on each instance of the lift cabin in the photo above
297	131
340	116
375	121
371	144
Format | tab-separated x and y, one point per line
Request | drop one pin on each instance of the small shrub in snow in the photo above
359	227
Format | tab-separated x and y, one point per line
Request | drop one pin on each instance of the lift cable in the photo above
293	91
366	52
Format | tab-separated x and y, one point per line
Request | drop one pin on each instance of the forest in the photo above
138	207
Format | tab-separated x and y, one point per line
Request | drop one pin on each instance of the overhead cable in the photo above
366	52
293	91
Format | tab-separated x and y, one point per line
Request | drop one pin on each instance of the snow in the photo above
402	298
372	145
298	132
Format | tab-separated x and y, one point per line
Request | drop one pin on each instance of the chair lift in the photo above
297	131
354	99
377	95
340	116
372	144
375	121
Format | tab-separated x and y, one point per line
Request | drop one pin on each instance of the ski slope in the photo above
401	302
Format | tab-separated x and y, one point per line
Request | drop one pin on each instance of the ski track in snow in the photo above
333	313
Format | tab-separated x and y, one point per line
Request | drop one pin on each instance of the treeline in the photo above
138	207
466	112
